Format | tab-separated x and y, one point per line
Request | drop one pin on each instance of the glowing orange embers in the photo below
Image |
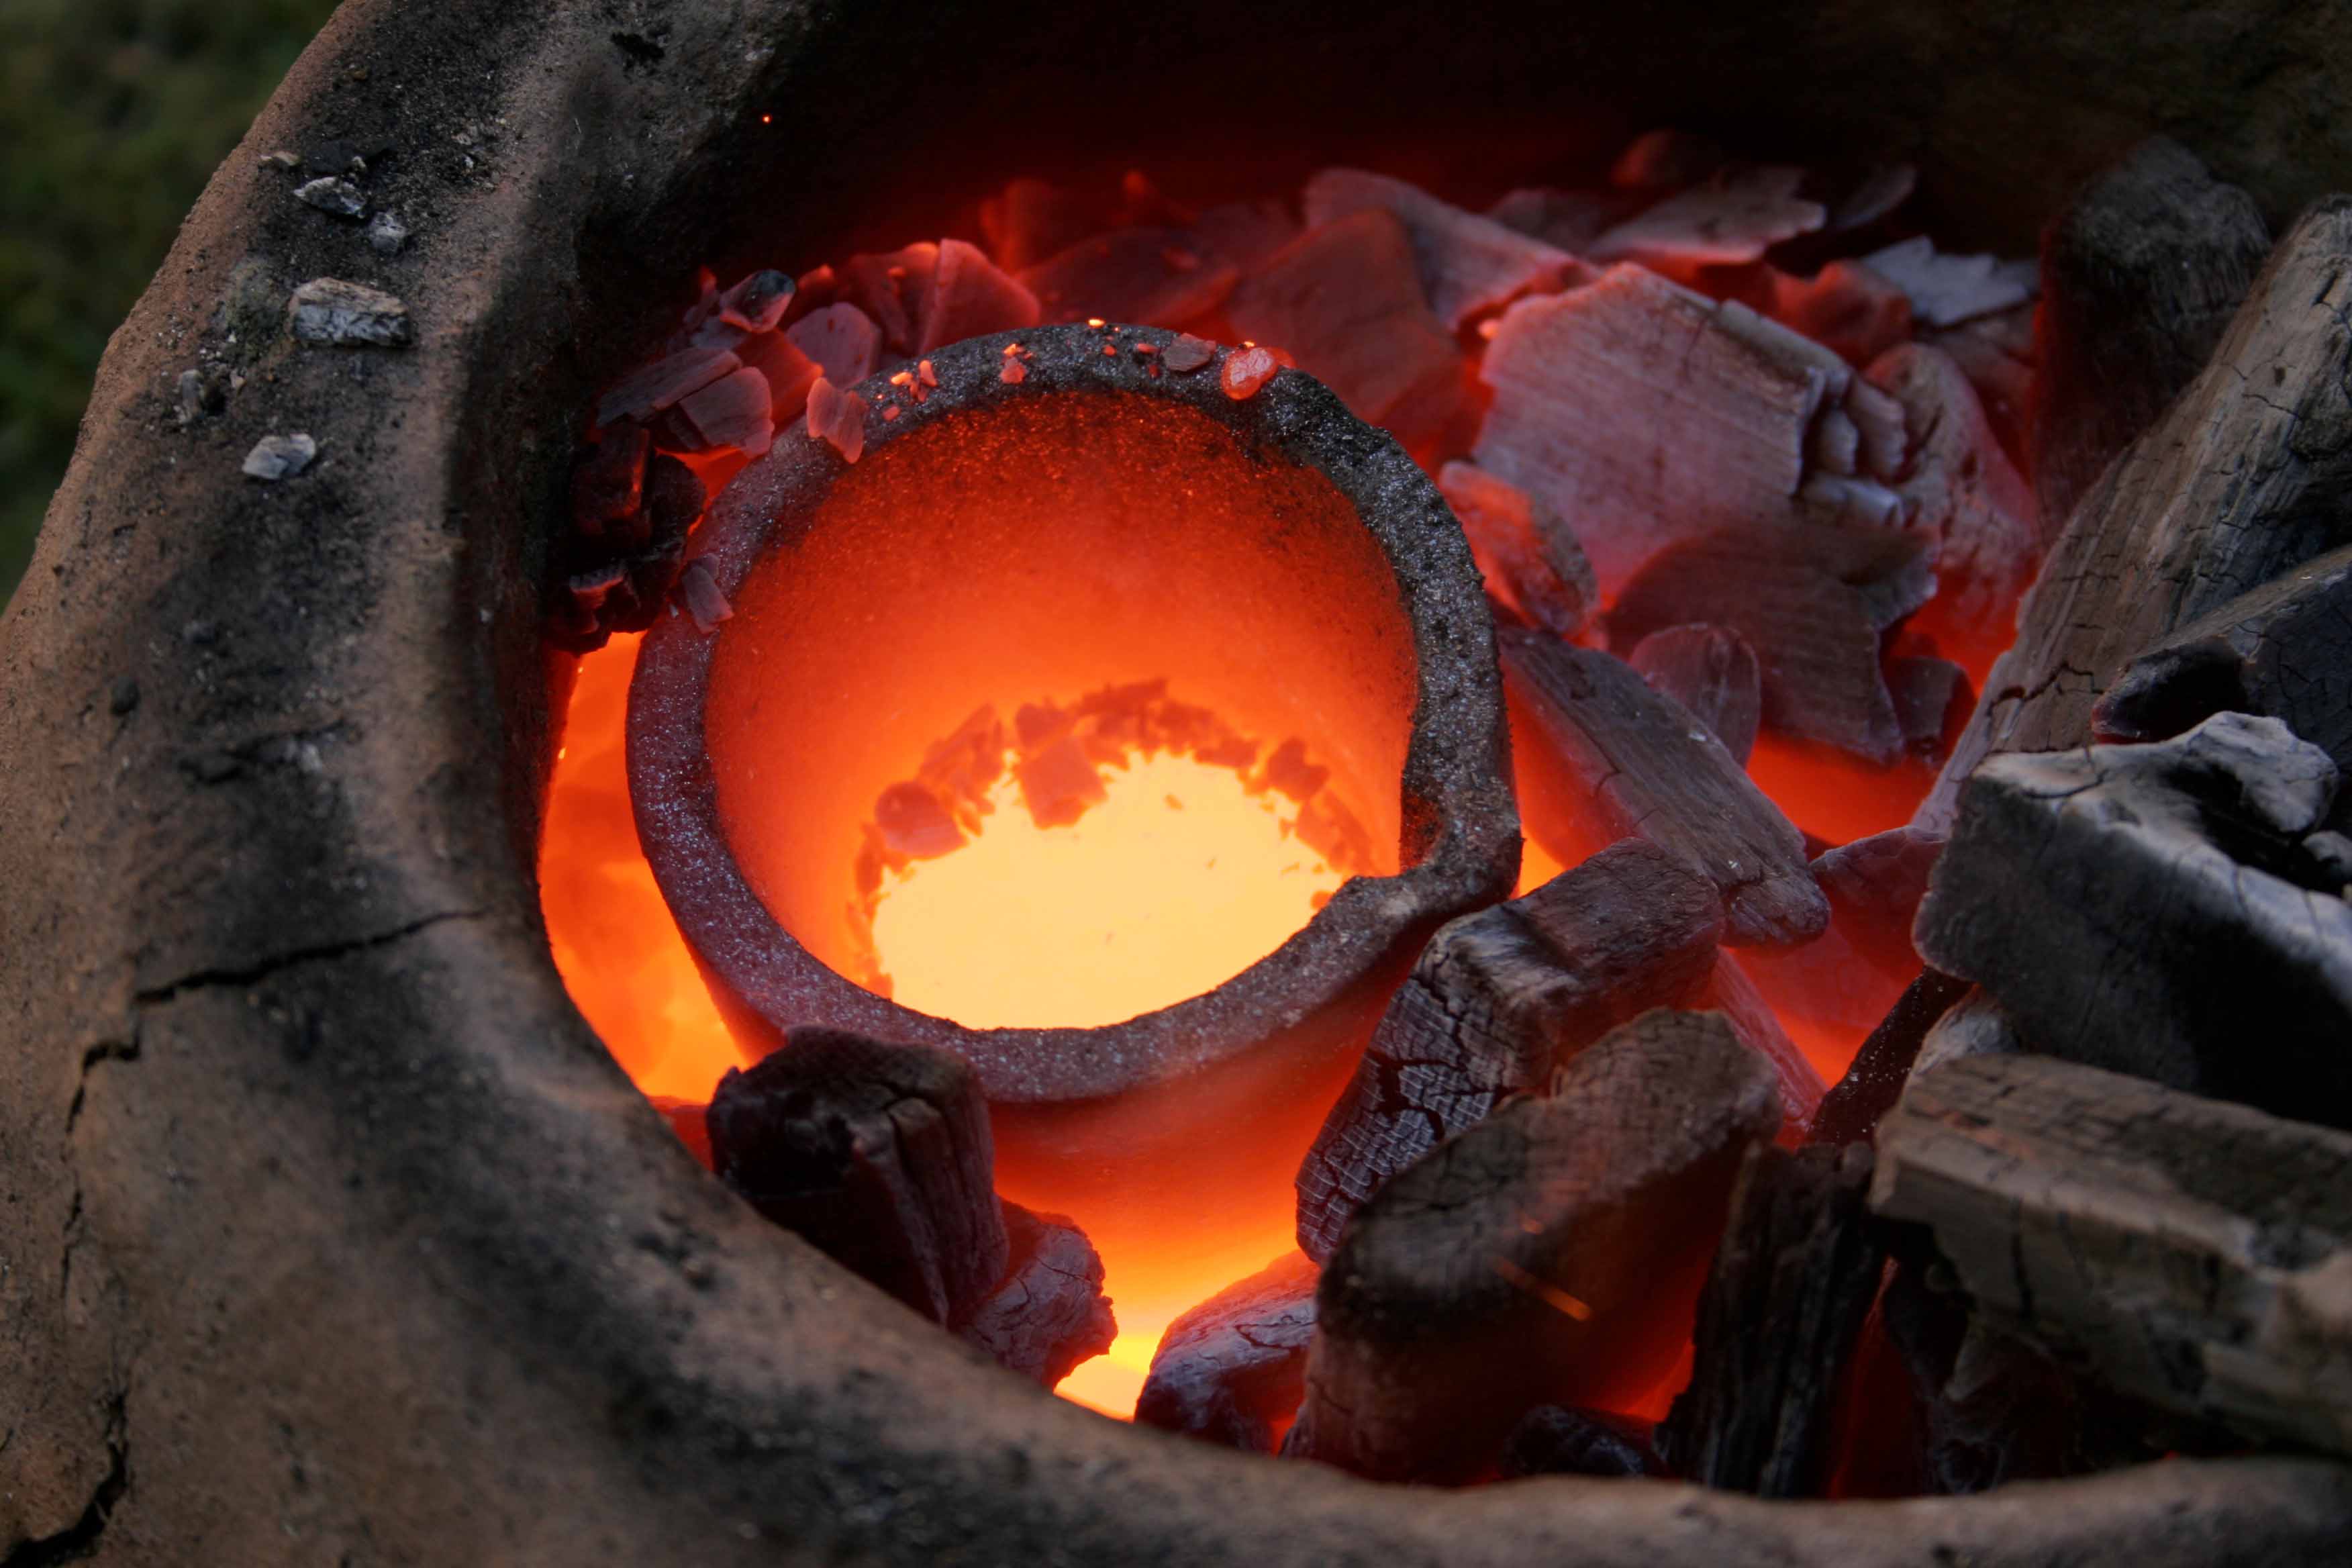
1085	865
615	945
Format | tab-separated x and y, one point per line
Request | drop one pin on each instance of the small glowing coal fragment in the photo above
1013	373
837	416
1247	371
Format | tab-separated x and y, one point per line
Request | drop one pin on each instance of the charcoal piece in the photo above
1851	1111
894	287
1710	671
705	600
1961	488
2284	649
1150	277
275	457
970	298
1496	1003
608	483
1555	1441
349	315
1524	548
878	1155
788	370
1667	160
1467	263
837	417
1244	234
1233	1370
1987	1408
1048	1314
1730	991
1946	289
1812	603
1571	220
1032	219
2149	910
674	500
757	302
1535	1258
1845	306
2139	280
1732	218
1933	699
1616	754
1646	413
330	195
842	339
1778	1320
733	412
1849	977
1344	300
2189	1253
2247	475
650	388
1972	1027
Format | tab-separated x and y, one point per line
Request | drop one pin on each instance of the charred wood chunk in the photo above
2151	910
1933	699
1616	757
894	288
2139	280
1547	1256
1945	288
1851	1111
608	482
2190	1255
1812	603
1731	218
841	340
647	390
1048	1314
1571	220
1849	977
1523	548
2284	650
1777	1324
1710	671
1961	488
1497	1001
878	1155
1987	1408
1468	263
1344	300
1556	1441
1155	277
971	297
1730	991
2247	475
788	371
1648	413
1845	307
1233	1370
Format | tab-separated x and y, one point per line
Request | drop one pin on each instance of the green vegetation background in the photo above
113	113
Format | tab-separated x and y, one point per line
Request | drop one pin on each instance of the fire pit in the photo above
337	1232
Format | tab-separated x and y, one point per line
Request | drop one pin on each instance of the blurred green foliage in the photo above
113	113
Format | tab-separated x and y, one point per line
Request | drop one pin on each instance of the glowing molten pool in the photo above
1028	924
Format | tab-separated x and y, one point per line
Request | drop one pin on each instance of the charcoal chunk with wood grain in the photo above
1497	1001
1605	754
2187	1253
1549	1255
2155	909
2284	649
2246	475
1784	1307
1048	1312
1814	603
1233	1370
2139	279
